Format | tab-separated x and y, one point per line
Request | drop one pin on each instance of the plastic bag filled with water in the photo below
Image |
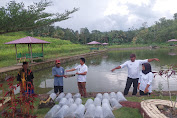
70	101
52	111
98	112
60	96
68	95
78	101
113	95
63	101
120	97
53	96
106	96
115	104
99	95
106	101
77	95
97	102
62	112
90	112
79	113
107	113
88	102
71	111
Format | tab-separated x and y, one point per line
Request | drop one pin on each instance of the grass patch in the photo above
125	112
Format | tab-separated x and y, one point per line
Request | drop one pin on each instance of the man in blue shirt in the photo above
58	73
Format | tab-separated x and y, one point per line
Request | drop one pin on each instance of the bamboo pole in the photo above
31	54
16	52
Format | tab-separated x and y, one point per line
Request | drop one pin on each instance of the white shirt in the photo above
144	80
81	69
133	67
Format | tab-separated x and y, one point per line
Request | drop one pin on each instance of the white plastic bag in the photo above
99	95
120	97
78	101
106	96
63	101
88	102
97	102
79	113
70	101
52	111
53	96
90	112
77	95
115	104
107	113
98	112
60	96
113	95
71	111
106	101
68	95
62	112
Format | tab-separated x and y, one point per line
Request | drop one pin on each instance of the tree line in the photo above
162	31
35	21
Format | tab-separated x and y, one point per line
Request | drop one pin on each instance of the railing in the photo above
34	55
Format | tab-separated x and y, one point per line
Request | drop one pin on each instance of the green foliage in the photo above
16	17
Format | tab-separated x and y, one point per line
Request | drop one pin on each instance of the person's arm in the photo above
153	59
84	73
119	67
71	70
151	76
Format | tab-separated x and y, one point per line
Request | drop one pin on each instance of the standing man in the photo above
58	73
25	78
82	70
133	72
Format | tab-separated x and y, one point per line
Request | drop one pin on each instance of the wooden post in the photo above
31	54
28	49
16	52
42	53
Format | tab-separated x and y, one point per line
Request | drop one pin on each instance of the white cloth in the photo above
144	80
133	67
81	69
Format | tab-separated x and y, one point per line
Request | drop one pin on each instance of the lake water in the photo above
101	79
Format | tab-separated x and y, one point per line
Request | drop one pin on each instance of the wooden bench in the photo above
94	49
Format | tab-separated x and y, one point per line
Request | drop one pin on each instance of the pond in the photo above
101	79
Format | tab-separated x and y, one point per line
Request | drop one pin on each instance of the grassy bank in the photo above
57	48
120	113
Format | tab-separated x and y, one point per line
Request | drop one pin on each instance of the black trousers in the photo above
58	88
142	93
128	85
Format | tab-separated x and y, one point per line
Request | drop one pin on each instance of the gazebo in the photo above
30	55
94	43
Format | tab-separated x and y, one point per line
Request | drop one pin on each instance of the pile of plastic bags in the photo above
71	106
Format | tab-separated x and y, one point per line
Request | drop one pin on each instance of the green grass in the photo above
125	112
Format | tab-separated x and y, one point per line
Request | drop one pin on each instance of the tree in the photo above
15	17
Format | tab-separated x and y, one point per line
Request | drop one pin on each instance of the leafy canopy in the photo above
16	17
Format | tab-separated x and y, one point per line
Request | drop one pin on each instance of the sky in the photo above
106	15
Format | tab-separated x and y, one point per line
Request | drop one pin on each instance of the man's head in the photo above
132	57
57	62
25	65
82	61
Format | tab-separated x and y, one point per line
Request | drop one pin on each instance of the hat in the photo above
132	55
57	61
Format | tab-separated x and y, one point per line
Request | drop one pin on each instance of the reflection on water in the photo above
101	79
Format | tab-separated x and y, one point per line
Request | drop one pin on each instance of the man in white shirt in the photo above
133	72
82	70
